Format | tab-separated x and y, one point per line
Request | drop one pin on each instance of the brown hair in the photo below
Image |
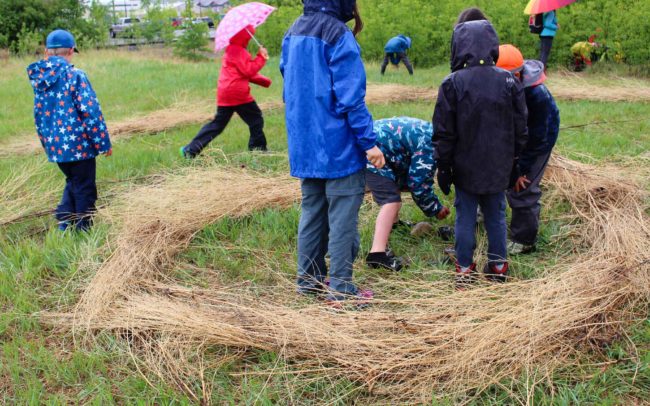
470	14
358	22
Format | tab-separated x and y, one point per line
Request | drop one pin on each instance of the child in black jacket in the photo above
480	128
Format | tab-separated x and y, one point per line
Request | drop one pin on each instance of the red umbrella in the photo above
543	6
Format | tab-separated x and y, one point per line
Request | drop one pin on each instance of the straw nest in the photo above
417	339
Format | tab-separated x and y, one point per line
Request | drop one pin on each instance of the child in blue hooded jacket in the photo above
70	126
330	136
395	51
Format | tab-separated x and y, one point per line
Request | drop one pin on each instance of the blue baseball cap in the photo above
60	39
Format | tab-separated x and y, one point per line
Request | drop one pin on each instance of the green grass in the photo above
41	269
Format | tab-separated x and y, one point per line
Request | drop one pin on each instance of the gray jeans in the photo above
526	207
328	223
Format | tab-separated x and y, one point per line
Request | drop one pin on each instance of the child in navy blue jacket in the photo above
480	129
543	129
70	126
330	136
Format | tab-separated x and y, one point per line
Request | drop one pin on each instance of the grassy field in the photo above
44	270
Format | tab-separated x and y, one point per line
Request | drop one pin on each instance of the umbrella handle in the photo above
254	39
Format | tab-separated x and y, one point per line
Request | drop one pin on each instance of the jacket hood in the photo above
45	73
341	9
407	39
242	38
533	73
474	43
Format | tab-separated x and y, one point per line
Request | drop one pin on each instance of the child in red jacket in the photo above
234	95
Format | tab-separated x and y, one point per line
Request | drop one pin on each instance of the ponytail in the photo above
358	22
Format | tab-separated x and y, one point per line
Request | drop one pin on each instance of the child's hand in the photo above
521	183
264	53
443	213
376	157
109	153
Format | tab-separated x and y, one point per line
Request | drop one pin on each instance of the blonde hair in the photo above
58	51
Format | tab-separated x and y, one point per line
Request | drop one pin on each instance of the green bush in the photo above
430	24
28	42
191	44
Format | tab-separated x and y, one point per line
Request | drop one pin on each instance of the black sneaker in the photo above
403	224
494	274
446	233
376	260
465	278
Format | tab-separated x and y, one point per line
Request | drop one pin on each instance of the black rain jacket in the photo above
480	115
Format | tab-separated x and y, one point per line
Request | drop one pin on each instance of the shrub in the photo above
28	42
430	24
191	44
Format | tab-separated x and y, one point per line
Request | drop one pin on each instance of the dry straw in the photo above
183	114
419	338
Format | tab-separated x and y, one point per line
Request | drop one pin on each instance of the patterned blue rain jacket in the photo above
407	145
67	115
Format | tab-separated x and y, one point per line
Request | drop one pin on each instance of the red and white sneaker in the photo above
465	277
496	272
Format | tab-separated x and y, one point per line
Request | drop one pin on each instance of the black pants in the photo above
545	44
395	58
249	112
80	194
526	205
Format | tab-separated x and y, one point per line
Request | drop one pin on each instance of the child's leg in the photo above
383	226
344	196
84	190
210	131
526	207
466	204
312	235
407	62
494	211
65	211
384	64
385	193
252	115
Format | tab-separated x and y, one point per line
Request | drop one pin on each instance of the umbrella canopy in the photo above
544	6
239	18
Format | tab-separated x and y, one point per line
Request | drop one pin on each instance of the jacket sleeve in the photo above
520	117
349	86
90	113
247	67
420	183
261	80
444	124
538	113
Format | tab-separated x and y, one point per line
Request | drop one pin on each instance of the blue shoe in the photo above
63	225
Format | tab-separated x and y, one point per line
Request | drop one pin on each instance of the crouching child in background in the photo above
70	126
408	149
480	129
543	128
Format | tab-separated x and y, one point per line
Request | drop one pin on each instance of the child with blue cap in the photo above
70	126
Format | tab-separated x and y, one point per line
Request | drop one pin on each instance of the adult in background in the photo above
550	25
330	136
543	129
395	51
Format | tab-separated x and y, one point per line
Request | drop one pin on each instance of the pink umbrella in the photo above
543	6
239	18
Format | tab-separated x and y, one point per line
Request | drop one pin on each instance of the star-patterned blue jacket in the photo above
68	118
408	148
